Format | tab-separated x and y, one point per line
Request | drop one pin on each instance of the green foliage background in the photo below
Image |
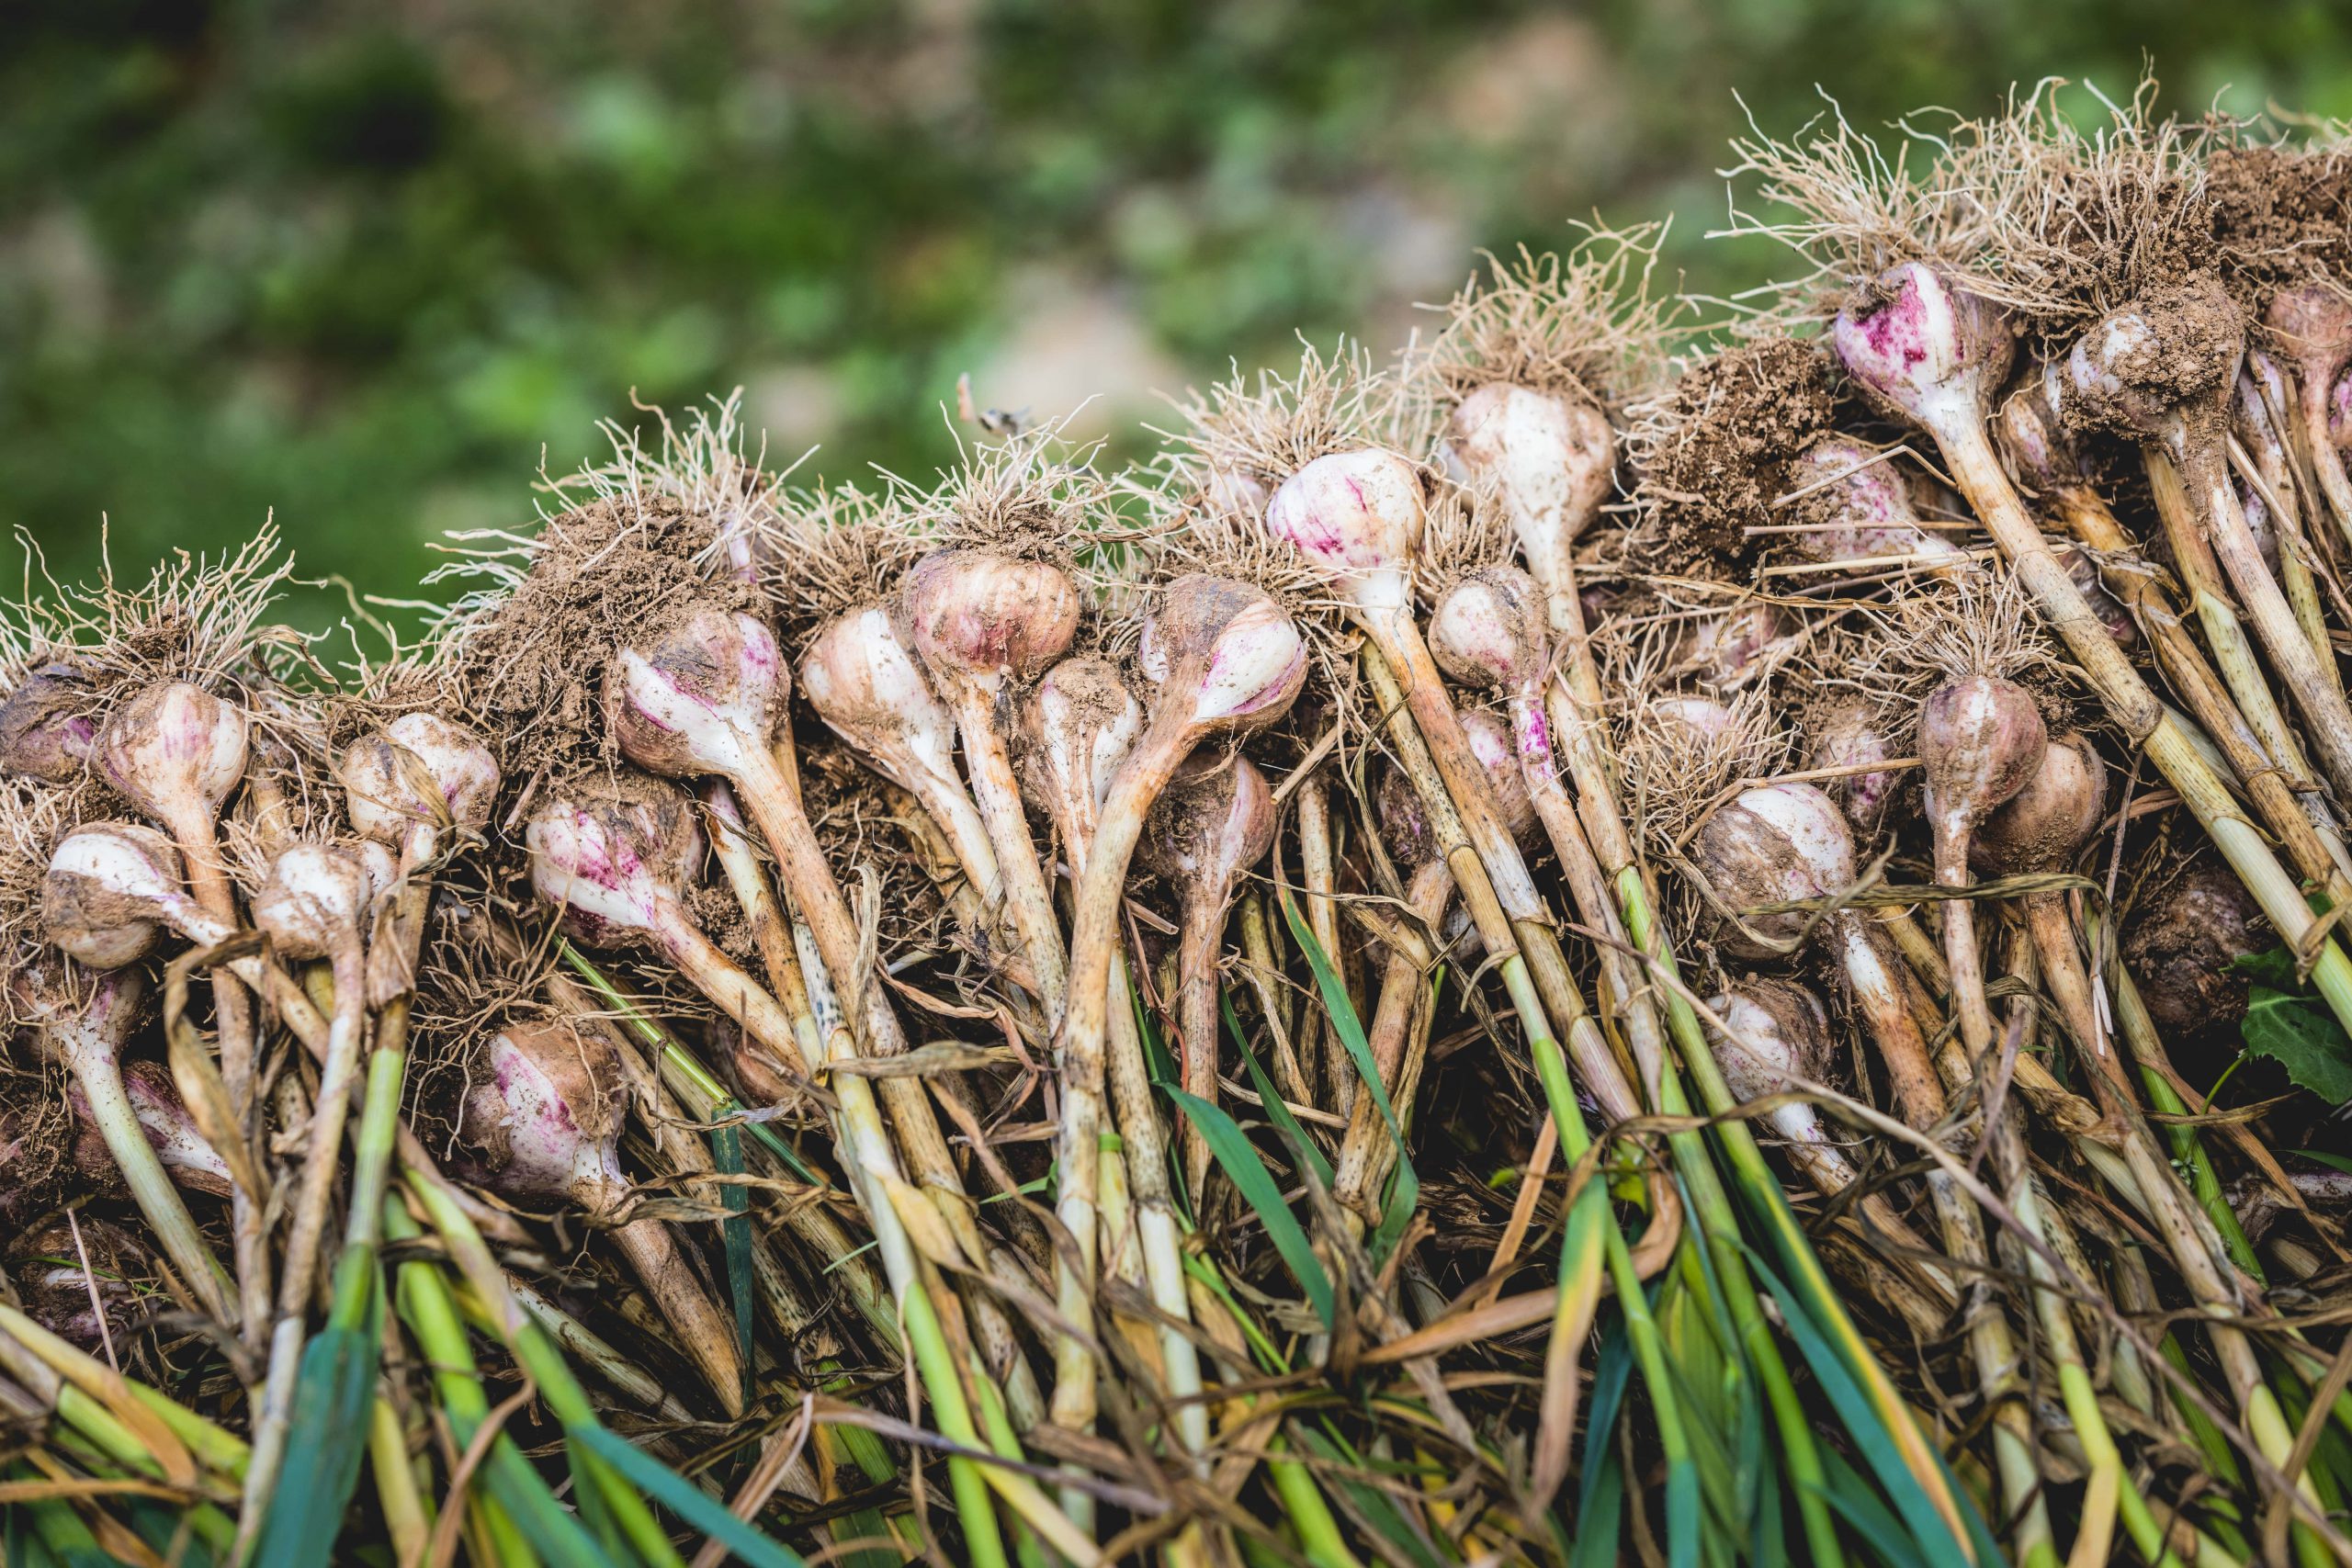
358	263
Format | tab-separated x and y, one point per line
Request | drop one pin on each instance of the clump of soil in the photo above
2280	216
1715	457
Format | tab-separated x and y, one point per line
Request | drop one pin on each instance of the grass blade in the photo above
327	1440
1404	1189
683	1497
1242	1167
726	1154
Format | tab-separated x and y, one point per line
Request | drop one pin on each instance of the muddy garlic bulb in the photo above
1862	499
1727	651
46	1265
2049	818
315	903
980	621
868	687
1776	1031
869	691
46	732
615	857
1847	733
693	696
112	889
420	771
1359	516
177	752
1922	350
2181	942
1980	741
1771	845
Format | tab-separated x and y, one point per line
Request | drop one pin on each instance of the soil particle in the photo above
2280	216
1729	430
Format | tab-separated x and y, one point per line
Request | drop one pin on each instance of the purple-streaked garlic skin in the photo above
1776	1031
1770	845
1077	724
1865	495
1357	515
2261	524
987	618
1549	459
174	750
1851	732
544	1115
1980	739
1492	743
1231	658
315	903
2044	824
418	770
1214	822
111	889
1920	348
46	732
612	855
866	686
694	696
171	1130
2029	429
2340	412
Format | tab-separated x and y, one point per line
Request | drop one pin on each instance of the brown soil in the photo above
2280	216
1732	422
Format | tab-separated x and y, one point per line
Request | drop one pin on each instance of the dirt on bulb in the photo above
1725	437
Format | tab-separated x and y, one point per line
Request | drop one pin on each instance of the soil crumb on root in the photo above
2280	216
1716	455
530	667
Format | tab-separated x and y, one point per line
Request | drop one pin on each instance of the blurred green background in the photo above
364	263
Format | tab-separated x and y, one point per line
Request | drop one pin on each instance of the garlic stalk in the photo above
1215	821
2121	368
312	907
1980	741
177	752
2312	325
1230	662
1079	723
86	1033
868	687
1783	842
703	695
985	625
